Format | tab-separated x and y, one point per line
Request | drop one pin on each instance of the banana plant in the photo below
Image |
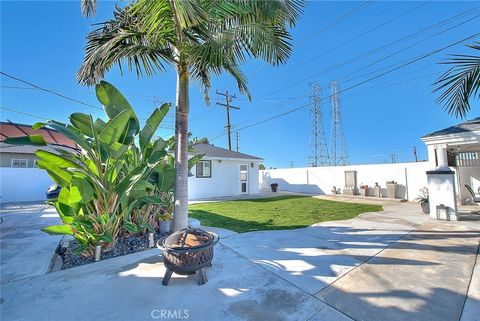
113	181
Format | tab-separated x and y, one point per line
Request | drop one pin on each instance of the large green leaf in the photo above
82	122
65	212
59	175
36	140
152	124
166	179
58	230
194	160
54	159
115	128
131	227
117	150
113	101
140	189
70	195
84	188
130	179
71	132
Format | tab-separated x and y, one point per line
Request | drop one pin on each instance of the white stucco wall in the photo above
225	180
411	178
23	184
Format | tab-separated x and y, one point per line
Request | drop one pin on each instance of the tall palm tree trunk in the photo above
180	218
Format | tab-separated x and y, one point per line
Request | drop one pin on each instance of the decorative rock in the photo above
124	246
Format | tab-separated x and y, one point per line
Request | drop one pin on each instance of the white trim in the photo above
19	159
468	137
259	160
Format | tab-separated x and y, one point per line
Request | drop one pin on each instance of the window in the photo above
204	169
19	163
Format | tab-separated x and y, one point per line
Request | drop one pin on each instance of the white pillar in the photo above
442	157
441	189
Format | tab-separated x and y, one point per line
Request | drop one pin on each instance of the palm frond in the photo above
122	40
460	83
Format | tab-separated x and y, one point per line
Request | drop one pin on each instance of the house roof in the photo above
472	125
217	152
29	149
9	129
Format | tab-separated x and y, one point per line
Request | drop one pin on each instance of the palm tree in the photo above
460	83
198	39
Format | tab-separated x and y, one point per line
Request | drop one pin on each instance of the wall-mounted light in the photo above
219	160
251	165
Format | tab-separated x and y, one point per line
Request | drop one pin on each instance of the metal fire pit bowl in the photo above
183	259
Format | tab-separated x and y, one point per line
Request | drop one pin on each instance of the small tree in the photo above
198	39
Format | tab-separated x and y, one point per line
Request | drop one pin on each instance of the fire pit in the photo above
188	251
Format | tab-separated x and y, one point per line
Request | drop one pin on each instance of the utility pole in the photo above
415	153
394	158
228	100
236	139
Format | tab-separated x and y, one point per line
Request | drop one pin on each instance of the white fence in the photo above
410	177
23	184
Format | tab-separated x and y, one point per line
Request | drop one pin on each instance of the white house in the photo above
222	172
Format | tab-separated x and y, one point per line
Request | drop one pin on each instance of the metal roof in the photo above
467	126
217	152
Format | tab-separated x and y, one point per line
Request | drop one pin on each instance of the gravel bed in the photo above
124	246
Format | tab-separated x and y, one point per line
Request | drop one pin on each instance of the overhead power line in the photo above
49	91
324	29
369	53
23	113
337	21
365	33
411	61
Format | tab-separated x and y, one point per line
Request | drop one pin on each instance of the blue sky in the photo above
42	42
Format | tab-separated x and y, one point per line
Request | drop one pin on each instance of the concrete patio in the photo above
392	265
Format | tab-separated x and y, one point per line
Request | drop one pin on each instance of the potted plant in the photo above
363	190
166	213
274	187
391	189
377	190
423	198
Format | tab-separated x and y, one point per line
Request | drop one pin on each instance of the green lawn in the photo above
277	213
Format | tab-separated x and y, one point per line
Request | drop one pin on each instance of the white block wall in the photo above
411	178
23	184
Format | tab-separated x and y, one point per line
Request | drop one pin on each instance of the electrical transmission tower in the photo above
318	147
339	151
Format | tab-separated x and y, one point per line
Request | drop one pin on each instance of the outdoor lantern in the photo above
442	212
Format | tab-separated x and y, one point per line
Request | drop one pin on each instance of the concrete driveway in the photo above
24	249
391	265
